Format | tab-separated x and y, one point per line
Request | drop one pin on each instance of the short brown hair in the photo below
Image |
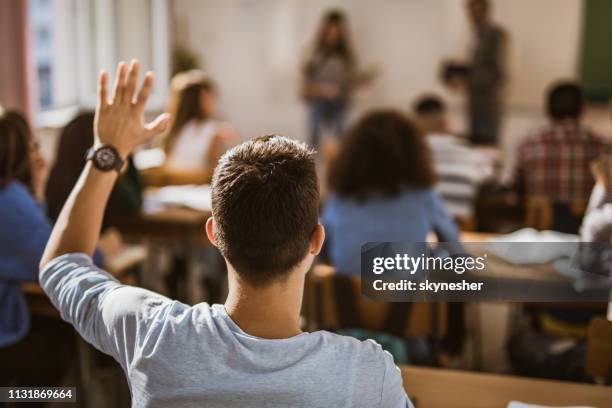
380	155
265	202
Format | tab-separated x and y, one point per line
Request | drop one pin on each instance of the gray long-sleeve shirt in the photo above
175	355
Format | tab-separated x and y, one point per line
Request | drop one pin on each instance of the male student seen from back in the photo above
554	161
382	190
248	352
460	169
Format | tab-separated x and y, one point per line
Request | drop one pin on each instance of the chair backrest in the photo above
599	348
323	312
538	213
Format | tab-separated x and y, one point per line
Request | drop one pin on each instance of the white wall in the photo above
253	49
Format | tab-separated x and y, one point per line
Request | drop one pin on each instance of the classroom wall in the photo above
253	49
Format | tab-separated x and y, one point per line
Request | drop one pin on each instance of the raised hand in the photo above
120	120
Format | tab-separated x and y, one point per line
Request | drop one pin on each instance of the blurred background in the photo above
252	67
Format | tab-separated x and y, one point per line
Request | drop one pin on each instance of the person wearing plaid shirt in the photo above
554	161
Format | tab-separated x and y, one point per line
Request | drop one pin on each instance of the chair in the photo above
542	214
599	349
324	311
538	213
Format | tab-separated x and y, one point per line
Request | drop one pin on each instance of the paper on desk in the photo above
517	404
149	158
189	196
521	247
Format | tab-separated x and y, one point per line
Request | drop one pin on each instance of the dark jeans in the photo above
484	116
42	358
325	114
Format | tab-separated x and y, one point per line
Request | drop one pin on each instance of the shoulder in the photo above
425	194
16	202
15	191
366	352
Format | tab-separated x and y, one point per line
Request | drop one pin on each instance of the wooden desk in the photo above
174	227
435	388
170	223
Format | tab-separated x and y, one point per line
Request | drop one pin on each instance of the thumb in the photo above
157	126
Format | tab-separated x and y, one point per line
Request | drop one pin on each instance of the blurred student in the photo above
197	138
248	352
329	77
382	190
487	74
597	222
554	161
34	350
75	140
460	169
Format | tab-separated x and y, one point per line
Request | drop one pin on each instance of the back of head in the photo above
15	140
76	137
265	200
430	112
565	101
382	154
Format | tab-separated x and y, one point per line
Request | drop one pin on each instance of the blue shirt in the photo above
24	232
409	217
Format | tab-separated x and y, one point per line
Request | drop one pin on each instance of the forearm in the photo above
78	226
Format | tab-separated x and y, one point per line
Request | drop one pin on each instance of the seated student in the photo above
248	352
553	161
196	139
76	138
460	169
34	350
382	190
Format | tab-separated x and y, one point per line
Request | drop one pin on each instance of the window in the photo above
71	40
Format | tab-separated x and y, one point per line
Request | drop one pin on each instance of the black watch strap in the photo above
105	158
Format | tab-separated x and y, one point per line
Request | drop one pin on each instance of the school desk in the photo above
436	387
179	228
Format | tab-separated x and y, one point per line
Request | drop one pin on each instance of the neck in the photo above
271	311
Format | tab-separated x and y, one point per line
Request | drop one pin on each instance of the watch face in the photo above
105	158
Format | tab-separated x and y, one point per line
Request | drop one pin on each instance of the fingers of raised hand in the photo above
103	89
157	126
145	91
119	89
132	81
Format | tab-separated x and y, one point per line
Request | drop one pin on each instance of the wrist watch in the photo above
105	158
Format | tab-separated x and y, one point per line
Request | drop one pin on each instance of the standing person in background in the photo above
486	74
196	139
328	73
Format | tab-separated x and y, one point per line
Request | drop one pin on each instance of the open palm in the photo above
120	120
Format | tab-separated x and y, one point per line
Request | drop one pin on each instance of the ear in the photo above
317	239
210	230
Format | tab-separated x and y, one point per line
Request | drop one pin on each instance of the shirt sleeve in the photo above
597	223
393	393
443	224
114	318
